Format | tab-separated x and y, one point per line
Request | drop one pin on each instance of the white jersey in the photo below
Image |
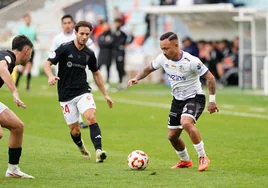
64	37
183	74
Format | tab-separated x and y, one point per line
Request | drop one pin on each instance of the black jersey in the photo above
10	59
72	69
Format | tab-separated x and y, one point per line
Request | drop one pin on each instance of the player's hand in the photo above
132	82
109	101
212	107
17	100
52	80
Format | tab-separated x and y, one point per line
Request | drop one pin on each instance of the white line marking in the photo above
167	106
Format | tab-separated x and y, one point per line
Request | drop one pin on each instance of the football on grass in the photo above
138	160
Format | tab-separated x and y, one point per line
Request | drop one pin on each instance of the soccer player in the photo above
20	54
188	101
68	34
29	31
73	89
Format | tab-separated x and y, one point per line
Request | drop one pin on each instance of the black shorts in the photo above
32	57
192	107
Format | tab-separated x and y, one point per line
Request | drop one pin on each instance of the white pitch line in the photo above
167	106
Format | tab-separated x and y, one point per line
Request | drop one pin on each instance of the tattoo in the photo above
211	83
144	72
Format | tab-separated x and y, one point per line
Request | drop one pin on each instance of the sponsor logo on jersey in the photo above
70	56
8	59
174	66
70	64
166	65
199	65
176	77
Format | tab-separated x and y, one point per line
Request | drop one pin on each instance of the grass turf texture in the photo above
235	141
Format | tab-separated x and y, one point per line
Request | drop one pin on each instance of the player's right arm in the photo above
6	77
156	64
53	59
52	79
142	74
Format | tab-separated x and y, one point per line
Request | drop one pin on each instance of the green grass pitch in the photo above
235	140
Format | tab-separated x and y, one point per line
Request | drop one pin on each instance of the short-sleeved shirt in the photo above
63	38
72	70
183	74
10	59
28	31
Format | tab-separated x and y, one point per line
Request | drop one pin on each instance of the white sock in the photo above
184	156
12	167
80	119
200	149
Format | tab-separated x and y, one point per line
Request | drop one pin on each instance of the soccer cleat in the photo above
183	164
83	125
84	151
100	156
203	163
16	173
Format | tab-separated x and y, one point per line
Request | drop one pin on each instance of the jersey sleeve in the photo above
54	45
156	63
198	67
56	55
92	63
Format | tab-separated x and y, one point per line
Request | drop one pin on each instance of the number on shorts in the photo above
65	109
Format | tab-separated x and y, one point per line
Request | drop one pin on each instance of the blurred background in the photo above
229	36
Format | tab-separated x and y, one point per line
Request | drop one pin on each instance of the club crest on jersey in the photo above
8	59
52	55
181	68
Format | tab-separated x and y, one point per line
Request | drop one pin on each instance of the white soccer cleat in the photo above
16	173
84	151
100	156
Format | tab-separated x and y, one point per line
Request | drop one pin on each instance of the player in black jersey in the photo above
20	54
73	90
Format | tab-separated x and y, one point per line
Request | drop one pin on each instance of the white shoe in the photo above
84	151
14	172
100	156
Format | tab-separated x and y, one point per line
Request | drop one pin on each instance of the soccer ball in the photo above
137	160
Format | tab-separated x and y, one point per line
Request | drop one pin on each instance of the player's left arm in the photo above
100	83
211	83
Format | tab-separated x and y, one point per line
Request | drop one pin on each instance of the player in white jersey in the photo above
188	101
67	35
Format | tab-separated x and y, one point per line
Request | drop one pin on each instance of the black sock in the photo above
18	79
77	140
95	135
14	155
29	76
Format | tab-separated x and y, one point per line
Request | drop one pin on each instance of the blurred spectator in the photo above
119	15
120	40
98	29
167	2
190	46
228	68
29	31
105	42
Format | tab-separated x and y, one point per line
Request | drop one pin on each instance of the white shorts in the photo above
72	109
2	107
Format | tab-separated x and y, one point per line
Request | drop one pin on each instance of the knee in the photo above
91	118
19	128
172	136
75	132
187	124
